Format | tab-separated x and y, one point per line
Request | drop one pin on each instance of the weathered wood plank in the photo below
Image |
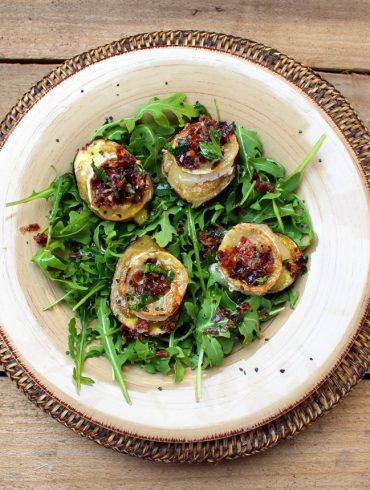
328	34
38	452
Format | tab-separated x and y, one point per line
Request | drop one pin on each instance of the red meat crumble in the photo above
210	239
125	181
246	262
31	227
41	238
191	158
153	283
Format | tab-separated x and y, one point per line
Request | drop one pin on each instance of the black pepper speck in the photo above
82	91
300	131
311	359
256	369
160	388
320	160
241	369
67	352
166	83
57	140
267	339
282	371
117	85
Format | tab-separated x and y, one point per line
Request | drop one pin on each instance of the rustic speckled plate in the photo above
289	107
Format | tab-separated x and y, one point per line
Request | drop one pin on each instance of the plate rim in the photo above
353	362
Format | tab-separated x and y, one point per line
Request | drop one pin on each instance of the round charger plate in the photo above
314	354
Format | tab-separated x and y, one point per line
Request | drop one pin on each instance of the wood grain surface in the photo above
330	34
35	451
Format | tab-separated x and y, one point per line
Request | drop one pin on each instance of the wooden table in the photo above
331	36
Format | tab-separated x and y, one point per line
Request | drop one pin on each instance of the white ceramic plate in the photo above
304	345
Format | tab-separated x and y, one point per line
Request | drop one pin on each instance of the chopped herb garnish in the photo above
141	301
261	280
182	145
99	172
212	151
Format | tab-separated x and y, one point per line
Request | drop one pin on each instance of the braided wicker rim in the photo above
350	368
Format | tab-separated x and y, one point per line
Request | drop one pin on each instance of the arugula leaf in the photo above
179	371
250	323
103	327
65	182
268	166
164	236
45	259
194	239
213	350
290	184
212	151
250	147
147	142
115	131
77	344
159	109
202	110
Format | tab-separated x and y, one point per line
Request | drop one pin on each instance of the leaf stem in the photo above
109	349
218	115
193	237
58	300
310	154
199	375
278	217
79	361
44	194
248	193
92	291
54	209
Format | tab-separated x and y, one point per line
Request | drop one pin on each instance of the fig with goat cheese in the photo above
293	263
249	258
112	182
201	161
148	287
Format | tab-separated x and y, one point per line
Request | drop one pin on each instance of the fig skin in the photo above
292	259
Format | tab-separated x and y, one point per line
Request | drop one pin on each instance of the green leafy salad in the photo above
173	237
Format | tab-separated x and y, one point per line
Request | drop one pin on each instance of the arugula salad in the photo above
173	237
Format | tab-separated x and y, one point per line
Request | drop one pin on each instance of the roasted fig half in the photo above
111	181
249	258
293	263
201	161
148	287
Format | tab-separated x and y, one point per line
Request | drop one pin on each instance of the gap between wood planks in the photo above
58	61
